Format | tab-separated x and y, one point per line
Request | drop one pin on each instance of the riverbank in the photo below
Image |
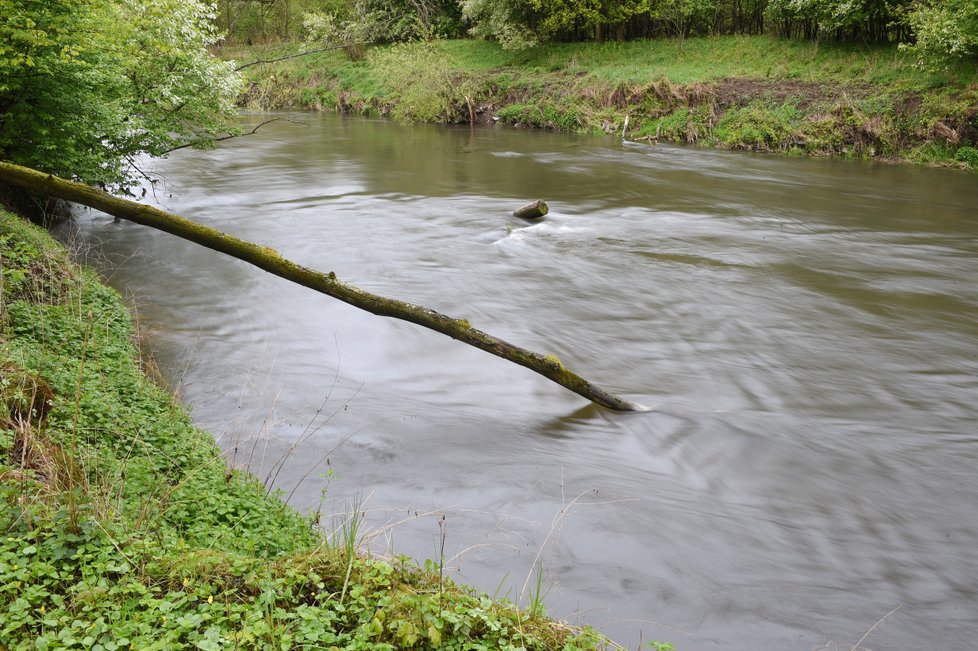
123	527
738	92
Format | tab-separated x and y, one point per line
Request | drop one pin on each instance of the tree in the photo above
615	14
686	17
945	31
839	19
86	86
506	21
264	20
568	17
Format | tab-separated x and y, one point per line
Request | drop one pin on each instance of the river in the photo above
804	331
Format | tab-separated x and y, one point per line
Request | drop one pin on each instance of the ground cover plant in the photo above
121	526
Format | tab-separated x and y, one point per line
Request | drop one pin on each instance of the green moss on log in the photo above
325	283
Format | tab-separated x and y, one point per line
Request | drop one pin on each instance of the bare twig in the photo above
873	627
296	56
230	136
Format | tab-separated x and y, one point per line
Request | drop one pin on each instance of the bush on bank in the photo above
753	93
121	526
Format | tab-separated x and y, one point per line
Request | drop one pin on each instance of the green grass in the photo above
121	527
742	92
711	58
758	126
681	61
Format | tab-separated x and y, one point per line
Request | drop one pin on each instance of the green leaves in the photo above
86	85
503	20
945	31
420	75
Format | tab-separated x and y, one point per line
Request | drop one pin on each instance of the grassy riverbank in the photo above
121	526
754	93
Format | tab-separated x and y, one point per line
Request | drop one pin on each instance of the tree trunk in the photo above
324	283
536	210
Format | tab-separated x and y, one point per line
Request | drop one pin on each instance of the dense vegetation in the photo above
121	526
892	79
741	92
86	86
937	31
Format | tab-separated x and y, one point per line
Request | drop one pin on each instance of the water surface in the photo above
805	331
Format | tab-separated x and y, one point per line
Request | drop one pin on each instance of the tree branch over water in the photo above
325	283
230	136
295	56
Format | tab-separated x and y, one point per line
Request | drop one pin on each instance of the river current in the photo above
804	331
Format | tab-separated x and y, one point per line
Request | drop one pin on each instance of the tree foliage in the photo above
942	29
945	30
506	21
384	21
877	20
88	85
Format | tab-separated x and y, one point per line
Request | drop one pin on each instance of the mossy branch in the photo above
325	283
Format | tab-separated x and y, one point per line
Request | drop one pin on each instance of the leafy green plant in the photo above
656	645
546	114
945	31
424	84
758	126
968	155
683	125
85	86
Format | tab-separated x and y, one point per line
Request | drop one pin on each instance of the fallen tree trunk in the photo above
325	283
532	211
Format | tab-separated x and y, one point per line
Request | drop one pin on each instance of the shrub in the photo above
967	155
759	126
421	76
945	30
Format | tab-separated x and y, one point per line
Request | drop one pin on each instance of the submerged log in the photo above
325	283
532	211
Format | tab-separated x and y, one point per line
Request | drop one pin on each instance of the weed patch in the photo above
546	116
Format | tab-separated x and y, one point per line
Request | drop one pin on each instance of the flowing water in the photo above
804	331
